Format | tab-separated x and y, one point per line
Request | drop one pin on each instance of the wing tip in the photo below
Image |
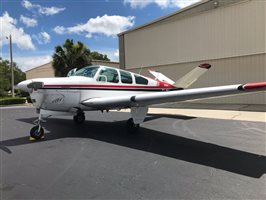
252	86
205	66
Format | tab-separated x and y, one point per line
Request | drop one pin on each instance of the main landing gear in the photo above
132	127
138	115
79	118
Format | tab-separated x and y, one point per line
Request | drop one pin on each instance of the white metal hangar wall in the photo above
230	35
47	70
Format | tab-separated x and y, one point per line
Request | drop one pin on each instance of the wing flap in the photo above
128	101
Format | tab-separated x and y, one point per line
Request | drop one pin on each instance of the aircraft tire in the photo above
36	133
132	128
79	118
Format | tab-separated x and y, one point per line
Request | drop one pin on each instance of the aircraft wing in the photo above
138	100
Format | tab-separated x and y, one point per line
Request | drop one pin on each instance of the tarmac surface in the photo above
172	157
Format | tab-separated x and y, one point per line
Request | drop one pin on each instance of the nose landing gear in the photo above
37	131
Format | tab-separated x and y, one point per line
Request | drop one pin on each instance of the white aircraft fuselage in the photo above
104	88
66	93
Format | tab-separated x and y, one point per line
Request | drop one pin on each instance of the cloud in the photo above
116	55
50	11
29	22
45	36
19	37
161	3
59	30
27	63
107	25
42	38
40	9
138	4
183	3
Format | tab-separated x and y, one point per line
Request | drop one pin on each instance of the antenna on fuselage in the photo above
140	69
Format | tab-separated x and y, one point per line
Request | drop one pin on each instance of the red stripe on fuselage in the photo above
166	86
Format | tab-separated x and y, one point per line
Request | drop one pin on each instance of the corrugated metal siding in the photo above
223	72
230	31
104	63
41	72
121	52
47	70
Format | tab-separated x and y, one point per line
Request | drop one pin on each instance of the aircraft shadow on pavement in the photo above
151	117
181	148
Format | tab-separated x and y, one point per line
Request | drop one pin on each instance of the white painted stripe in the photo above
212	114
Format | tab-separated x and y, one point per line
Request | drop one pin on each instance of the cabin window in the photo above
87	72
126	77
108	75
141	80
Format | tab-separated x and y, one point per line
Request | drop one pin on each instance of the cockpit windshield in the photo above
87	71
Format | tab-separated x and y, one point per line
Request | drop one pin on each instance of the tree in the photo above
98	56
5	76
70	56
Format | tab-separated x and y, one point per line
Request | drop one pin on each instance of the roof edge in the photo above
93	60
193	9
166	16
105	61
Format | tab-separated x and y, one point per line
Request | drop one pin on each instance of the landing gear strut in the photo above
37	131
132	127
79	118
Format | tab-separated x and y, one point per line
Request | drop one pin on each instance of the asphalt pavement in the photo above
172	157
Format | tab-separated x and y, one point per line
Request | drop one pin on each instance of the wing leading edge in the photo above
128	101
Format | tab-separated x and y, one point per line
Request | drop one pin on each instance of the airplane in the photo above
105	88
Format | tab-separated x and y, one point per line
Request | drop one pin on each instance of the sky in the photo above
37	26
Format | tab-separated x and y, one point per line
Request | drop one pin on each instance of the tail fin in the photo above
159	76
192	76
186	80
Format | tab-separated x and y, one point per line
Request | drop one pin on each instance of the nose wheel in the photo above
132	127
37	132
79	118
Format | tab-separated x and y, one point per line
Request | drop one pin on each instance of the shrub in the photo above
20	93
10	101
3	93
29	99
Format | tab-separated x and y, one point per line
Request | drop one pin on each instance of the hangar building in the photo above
47	70
230	35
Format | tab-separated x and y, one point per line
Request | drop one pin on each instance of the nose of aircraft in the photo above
24	86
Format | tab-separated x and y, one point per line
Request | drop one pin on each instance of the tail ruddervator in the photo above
186	80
